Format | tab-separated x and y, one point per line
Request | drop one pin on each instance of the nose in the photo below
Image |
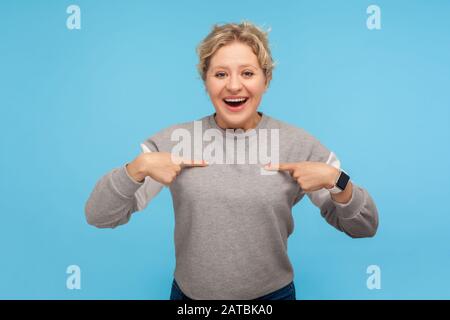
234	84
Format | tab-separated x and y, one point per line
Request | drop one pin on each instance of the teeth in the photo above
235	100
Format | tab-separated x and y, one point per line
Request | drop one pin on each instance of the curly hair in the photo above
245	32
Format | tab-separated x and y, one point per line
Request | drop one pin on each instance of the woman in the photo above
232	220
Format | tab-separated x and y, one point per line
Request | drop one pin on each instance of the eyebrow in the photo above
241	66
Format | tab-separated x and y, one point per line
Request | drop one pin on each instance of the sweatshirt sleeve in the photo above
358	218
116	196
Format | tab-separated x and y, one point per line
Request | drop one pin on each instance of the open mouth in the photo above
235	102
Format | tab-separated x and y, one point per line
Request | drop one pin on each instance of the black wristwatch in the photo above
341	182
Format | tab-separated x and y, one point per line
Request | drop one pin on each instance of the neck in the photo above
251	124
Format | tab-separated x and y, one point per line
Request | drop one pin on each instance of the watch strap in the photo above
340	183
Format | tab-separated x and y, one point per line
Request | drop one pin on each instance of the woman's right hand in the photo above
160	166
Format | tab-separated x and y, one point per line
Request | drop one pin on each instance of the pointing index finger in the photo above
280	166
193	163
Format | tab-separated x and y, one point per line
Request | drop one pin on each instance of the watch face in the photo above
342	181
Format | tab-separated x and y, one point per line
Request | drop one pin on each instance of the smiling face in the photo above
236	83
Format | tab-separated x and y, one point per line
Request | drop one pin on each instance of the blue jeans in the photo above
285	293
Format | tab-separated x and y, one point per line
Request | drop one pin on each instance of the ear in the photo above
268	82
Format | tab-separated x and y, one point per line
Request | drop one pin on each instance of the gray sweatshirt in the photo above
232	220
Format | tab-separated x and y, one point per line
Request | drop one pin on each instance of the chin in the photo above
236	120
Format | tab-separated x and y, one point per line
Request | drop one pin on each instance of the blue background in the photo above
76	104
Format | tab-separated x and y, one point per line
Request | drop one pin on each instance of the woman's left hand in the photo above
311	176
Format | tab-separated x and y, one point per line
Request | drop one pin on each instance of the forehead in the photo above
235	54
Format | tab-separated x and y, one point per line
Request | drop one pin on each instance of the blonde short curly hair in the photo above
245	32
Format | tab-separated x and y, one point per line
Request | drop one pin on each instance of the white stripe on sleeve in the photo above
320	196
149	189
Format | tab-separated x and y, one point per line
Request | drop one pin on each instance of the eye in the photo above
248	74
220	75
